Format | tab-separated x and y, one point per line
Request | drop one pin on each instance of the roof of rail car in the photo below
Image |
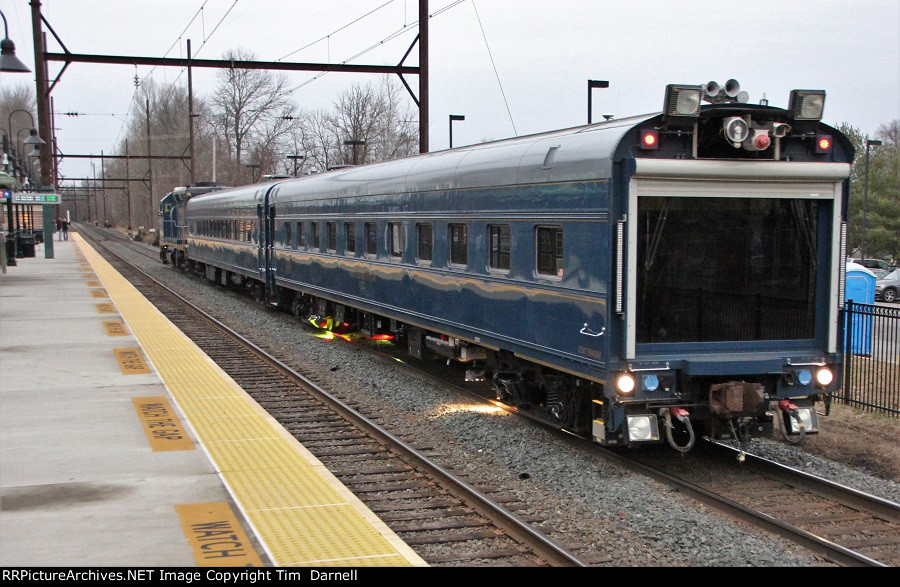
583	152
230	199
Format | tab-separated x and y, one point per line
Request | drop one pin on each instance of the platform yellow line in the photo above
273	478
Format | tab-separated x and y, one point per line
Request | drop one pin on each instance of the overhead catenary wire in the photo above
206	38
405	28
494	65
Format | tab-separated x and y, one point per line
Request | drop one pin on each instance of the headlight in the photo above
804	377
642	428
824	377
809	418
625	383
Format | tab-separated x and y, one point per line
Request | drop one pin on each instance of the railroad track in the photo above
840	524
424	504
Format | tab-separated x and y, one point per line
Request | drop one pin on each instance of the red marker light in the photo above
649	139
823	144
762	142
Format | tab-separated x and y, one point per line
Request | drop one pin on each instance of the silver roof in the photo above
578	153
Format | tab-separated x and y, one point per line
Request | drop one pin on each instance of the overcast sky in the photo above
511	67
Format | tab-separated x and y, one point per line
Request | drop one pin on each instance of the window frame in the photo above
455	248
420	241
558	249
394	235
371	233
503	229
350	238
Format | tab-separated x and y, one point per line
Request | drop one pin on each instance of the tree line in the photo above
880	203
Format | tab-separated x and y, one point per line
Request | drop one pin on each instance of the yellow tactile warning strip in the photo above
130	361
216	536
301	513
161	424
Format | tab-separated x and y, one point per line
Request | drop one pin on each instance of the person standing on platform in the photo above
59	228
65	229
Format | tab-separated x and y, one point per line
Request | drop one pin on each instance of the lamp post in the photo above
354	144
8	59
862	248
594	83
296	158
9	62
452	118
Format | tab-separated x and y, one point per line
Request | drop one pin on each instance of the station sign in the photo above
35	198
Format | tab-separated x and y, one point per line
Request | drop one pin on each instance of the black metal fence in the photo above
871	358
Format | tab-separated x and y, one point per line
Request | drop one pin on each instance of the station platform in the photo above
123	445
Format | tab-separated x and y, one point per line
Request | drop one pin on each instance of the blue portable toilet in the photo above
860	287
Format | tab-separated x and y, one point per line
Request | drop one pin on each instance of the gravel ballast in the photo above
612	515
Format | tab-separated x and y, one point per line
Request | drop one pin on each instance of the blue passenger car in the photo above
636	280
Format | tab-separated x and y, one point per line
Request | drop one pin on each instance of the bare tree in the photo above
248	102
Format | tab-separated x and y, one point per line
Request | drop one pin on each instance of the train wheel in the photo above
258	292
298	308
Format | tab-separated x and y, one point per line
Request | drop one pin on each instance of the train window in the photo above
425	242
395	238
498	241
287	234
248	230
332	236
549	250
371	238
316	240
301	235
350	236
459	244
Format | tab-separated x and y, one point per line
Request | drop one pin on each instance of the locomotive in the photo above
172	230
642	280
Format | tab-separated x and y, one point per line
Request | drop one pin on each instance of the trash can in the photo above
26	245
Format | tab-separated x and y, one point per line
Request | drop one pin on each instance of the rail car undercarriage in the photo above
734	410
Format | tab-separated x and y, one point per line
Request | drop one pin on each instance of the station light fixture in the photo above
8	60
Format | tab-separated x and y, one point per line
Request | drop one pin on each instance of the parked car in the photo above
887	287
874	264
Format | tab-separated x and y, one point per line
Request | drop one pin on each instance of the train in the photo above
655	279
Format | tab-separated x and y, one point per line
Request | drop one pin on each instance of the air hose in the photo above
682	416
